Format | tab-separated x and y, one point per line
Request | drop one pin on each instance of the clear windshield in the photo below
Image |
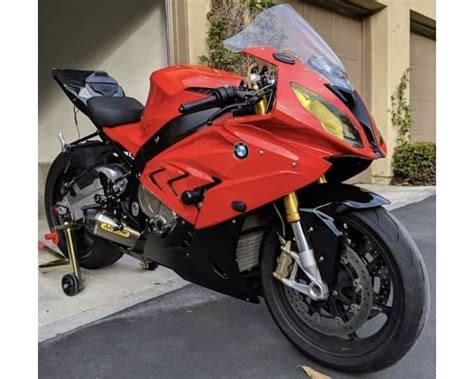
282	28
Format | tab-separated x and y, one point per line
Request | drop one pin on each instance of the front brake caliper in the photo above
284	261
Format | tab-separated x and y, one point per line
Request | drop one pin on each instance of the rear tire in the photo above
98	254
403	327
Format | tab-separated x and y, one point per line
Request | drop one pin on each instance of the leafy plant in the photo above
415	163
227	18
401	111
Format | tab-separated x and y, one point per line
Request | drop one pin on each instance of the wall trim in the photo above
358	9
422	25
177	31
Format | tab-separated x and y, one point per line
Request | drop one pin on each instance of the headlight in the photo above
332	120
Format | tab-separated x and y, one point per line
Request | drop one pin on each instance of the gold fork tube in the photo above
291	204
261	106
291	207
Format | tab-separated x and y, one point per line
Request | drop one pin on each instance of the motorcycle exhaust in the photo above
107	228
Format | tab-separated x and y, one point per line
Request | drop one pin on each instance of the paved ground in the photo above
124	284
196	333
106	291
401	196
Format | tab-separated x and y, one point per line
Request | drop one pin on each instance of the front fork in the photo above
304	258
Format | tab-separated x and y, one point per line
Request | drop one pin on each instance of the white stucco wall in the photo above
123	37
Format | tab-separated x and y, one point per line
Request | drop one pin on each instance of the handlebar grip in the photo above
219	97
199	105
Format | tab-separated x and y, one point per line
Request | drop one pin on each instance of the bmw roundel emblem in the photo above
241	150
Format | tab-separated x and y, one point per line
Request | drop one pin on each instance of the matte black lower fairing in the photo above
205	257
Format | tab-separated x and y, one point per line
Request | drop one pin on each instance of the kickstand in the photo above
70	283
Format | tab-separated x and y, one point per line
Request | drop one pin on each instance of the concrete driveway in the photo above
196	333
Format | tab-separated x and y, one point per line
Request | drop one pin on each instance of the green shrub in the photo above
415	163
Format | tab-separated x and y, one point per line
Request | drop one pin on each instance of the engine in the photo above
84	198
162	218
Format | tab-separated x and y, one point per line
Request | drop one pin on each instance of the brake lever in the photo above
249	98
221	112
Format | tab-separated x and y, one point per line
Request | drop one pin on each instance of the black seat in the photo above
113	111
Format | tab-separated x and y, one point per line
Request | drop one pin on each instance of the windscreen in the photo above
282	28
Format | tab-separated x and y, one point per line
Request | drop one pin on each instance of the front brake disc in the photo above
349	304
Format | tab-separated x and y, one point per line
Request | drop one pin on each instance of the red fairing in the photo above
167	93
288	148
270	171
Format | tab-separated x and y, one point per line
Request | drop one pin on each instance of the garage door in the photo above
423	87
343	34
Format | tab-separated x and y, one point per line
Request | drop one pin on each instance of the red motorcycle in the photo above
235	183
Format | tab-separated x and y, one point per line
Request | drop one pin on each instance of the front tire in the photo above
405	317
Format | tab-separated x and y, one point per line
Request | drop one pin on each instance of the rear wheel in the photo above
375	311
92	252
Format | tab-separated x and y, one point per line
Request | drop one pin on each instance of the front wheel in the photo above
376	309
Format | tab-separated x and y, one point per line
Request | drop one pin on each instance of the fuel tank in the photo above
169	88
174	85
